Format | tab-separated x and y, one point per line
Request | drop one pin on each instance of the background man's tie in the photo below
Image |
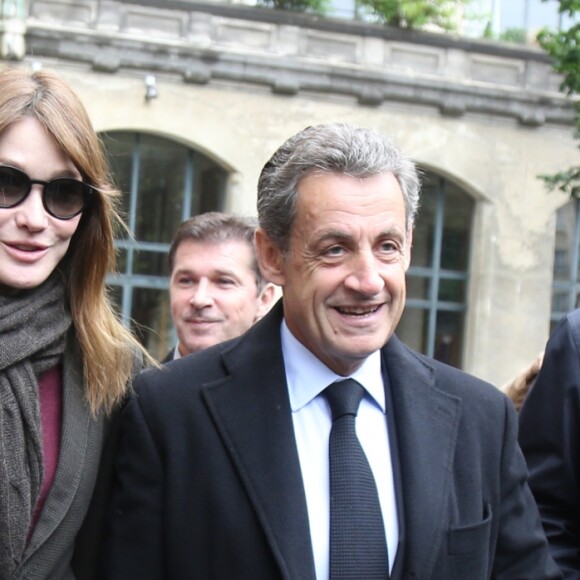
358	547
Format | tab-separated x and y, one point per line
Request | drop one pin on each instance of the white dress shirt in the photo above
307	377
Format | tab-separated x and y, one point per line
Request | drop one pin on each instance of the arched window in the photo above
163	183
434	318
566	283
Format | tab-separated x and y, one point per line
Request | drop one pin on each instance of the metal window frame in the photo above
434	274
128	280
570	287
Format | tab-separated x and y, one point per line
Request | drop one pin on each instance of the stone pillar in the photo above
13	14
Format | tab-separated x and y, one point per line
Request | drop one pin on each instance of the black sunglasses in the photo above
63	198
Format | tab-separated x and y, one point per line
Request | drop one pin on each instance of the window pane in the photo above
456	228
122	262
151	320
564	246
151	263
120	147
451	290
412	328
560	300
423	236
210	187
418	287
448	348
449	337
161	189
562	268
115	294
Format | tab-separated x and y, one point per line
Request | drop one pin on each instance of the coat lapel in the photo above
427	421
252	411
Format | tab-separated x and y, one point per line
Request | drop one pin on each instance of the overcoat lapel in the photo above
252	411
427	422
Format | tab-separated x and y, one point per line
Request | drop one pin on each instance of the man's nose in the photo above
365	277
201	295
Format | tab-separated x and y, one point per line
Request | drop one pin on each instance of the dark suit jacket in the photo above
210	484
550	439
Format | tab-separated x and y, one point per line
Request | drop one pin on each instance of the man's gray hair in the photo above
333	148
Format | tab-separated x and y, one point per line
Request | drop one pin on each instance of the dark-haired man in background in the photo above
216	289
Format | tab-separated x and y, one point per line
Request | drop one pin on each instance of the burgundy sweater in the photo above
50	389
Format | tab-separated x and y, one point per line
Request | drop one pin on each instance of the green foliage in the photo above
488	31
313	6
564	48
415	13
566	181
514	35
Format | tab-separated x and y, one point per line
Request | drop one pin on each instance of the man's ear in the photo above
270	258
265	300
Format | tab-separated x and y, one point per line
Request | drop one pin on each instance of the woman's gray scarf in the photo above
33	326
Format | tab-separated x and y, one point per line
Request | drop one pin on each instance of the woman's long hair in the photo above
108	348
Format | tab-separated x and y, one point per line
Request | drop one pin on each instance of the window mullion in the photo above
436	265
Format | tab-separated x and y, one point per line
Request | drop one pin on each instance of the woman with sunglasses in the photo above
65	360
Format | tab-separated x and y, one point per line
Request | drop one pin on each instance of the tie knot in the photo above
344	397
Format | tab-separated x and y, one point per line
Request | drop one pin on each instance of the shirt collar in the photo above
308	376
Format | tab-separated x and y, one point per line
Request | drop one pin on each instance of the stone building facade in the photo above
228	83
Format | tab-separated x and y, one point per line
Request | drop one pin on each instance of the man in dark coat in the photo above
224	468
550	439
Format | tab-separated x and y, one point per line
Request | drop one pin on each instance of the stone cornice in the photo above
293	54
353	27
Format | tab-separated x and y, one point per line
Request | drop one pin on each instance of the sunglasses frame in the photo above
86	190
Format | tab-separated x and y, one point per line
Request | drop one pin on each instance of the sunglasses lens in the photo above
14	186
65	197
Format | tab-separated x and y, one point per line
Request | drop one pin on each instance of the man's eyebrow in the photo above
212	273
330	235
394	231
225	272
182	271
340	235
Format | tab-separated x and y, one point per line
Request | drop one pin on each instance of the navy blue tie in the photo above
358	547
